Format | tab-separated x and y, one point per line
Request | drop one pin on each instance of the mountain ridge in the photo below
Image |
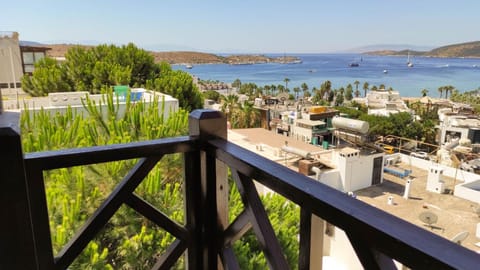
467	49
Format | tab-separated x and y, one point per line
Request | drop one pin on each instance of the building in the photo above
359	171
458	126
384	102
17	59
11	67
59	102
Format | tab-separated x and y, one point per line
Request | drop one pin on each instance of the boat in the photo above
385	71
188	66
409	63
353	64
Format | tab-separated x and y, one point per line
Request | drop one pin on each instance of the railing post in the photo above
17	246
212	209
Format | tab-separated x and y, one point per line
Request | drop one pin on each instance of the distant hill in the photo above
468	49
29	43
187	57
388	47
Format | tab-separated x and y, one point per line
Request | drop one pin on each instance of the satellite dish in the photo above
428	218
459	237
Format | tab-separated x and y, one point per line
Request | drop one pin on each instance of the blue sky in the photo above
245	25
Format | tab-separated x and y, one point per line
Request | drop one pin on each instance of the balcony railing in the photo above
377	237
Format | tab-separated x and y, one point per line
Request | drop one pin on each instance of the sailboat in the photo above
409	63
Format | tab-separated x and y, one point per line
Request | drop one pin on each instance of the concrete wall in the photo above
301	134
461	175
342	254
469	191
60	106
332	179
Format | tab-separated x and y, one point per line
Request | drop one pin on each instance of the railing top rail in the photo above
384	232
49	160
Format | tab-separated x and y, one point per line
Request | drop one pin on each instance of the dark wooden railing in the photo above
377	237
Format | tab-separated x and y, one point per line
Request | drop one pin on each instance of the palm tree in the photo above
365	88
267	89
440	90
326	87
296	90
304	87
357	93
448	88
230	103
273	87
424	92
356	85
286	80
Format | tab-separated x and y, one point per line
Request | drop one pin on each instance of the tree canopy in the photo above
103	66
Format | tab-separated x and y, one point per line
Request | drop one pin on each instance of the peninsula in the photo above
467	50
189	57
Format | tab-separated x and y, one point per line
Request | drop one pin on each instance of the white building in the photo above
345	169
60	101
306	130
458	127
385	102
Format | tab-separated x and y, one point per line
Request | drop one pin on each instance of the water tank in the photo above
350	124
296	151
318	109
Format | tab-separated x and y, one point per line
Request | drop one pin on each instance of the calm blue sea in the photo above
429	73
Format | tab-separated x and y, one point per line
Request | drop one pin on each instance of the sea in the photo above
427	73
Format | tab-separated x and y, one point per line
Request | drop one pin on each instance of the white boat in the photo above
385	71
409	63
188	66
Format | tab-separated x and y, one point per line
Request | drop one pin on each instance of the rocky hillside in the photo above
469	49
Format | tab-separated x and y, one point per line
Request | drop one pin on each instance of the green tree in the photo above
349	94
178	84
339	98
229	104
212	94
447	89
237	83
102	66
49	77
273	88
440	90
424	92
357	93
366	86
296	90
286	80
356	85
304	87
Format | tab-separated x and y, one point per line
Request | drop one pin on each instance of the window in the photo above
28	58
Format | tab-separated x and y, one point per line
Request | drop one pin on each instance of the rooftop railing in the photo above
206	238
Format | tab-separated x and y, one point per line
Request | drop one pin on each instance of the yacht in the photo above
409	63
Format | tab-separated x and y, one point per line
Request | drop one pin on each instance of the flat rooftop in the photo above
455	215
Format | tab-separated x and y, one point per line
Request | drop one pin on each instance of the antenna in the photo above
429	218
459	237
